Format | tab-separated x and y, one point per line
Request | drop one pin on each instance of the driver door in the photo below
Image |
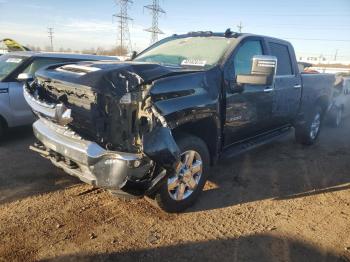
248	113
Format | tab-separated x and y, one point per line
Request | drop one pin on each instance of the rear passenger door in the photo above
287	88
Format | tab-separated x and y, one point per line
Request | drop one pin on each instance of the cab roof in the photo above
227	34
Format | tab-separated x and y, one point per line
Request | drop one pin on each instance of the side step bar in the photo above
245	146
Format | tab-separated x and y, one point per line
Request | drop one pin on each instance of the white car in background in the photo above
14	110
341	101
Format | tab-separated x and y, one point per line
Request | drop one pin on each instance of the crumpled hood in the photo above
106	77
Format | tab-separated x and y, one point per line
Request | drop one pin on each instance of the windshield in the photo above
191	51
8	64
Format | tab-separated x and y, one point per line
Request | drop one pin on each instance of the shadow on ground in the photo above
24	173
280	171
251	248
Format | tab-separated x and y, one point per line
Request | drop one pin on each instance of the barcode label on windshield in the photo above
14	60
194	63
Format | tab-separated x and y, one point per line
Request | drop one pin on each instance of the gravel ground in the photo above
281	202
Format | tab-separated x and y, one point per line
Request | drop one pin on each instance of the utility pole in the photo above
240	27
156	10
51	37
123	35
336	55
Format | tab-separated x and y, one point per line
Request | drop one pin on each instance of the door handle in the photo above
268	90
297	86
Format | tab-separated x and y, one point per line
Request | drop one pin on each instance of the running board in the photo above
242	147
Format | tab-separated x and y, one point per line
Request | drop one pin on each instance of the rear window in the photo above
284	63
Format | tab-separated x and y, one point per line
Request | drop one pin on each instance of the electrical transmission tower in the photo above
123	37
156	10
240	27
51	37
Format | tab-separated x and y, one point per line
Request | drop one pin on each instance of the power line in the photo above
295	15
123	34
325	54
156	10
319	39
307	27
51	37
336	55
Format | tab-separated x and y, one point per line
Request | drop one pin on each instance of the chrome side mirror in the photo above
262	73
24	77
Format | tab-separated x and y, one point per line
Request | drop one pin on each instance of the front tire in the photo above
181	190
2	130
308	133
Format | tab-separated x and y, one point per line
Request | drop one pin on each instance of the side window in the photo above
284	63
243	58
39	63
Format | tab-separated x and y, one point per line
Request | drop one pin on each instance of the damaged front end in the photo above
98	123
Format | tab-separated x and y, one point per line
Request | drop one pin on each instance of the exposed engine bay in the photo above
113	109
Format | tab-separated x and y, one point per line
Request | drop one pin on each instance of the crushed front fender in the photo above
160	146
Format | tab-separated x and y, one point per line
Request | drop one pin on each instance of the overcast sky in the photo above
314	26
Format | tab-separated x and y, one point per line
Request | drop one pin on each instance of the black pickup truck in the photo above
154	125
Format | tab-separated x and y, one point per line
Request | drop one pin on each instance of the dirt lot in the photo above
282	202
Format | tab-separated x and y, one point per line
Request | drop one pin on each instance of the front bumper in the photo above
87	160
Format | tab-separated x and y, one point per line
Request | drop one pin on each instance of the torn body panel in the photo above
192	104
160	146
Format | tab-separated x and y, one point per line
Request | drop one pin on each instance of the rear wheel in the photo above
308	133
181	190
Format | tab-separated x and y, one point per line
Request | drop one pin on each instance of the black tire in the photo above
304	133
336	117
163	198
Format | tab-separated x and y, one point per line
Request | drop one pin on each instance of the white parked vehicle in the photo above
341	101
14	110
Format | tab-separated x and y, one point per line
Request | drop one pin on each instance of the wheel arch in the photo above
323	102
3	121
206	129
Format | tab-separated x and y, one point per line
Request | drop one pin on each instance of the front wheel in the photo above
181	190
2	130
308	133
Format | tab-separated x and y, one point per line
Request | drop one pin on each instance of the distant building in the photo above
312	59
321	60
323	65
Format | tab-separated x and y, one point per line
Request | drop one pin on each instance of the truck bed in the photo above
320	84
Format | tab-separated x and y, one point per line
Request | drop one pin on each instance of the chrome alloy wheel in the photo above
184	183
315	126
